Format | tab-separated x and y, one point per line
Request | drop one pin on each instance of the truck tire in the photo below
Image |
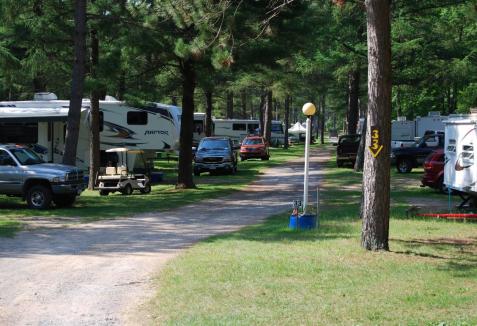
39	197
64	200
404	165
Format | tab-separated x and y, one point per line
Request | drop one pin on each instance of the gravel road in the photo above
100	273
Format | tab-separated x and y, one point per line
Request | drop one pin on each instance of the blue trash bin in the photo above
303	222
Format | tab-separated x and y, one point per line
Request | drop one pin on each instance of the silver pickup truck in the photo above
24	174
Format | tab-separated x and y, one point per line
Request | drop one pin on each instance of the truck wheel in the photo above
64	200
39	197
404	165
265	158
146	189
127	190
103	192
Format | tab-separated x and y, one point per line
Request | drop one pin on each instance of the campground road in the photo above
100	273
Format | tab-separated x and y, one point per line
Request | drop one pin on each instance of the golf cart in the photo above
117	176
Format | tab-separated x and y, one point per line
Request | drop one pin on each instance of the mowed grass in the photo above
90	206
270	275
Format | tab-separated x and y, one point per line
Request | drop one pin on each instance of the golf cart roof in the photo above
124	149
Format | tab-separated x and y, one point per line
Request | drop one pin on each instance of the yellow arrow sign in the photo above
375	147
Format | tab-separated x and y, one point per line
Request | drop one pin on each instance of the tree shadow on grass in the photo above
458	256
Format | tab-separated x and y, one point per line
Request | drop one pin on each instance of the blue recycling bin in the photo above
303	222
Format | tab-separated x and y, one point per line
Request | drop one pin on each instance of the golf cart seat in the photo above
111	170
122	170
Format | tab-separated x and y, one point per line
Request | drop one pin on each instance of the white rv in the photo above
460	171
236	129
43	122
405	133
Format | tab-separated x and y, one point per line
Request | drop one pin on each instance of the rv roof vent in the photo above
433	114
110	98
45	96
403	118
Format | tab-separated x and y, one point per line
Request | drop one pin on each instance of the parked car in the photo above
347	149
407	158
254	147
434	171
215	154
24	174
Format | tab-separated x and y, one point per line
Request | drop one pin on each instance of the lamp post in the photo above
309	110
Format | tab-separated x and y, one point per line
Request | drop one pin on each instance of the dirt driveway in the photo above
99	273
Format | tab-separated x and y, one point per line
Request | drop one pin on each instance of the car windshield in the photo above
26	156
213	144
256	141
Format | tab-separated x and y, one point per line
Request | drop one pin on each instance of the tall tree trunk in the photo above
353	101
243	99
323	103
39	84
358	165
287	121
184	178
252	112
208	113
121	86
261	109
94	148
267	125
376	177
39	80
77	84
230	105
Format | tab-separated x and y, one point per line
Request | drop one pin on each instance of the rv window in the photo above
19	133
137	118
239	126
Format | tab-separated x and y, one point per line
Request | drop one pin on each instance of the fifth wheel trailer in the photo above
460	171
43	122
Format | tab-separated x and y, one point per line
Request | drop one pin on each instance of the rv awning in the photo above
29	115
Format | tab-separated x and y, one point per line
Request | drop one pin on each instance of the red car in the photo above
434	171
254	147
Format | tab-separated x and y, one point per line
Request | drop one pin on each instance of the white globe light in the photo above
309	109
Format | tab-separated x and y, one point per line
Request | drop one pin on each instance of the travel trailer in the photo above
460	171
43	122
236	129
405	133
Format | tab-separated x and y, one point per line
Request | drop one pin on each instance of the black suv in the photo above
215	154
347	149
407	158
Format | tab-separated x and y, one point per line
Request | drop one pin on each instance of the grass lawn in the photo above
269	275
90	206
